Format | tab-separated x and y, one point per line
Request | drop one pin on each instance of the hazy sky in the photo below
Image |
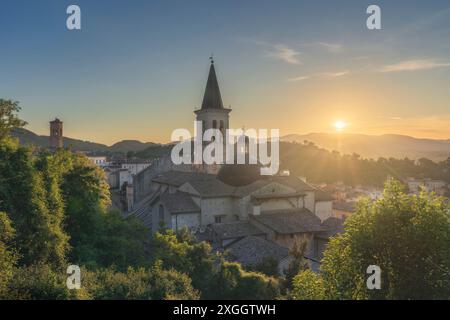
137	69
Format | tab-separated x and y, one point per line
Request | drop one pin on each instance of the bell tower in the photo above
212	114
56	134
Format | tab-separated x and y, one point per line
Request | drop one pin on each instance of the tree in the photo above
99	237
40	282
138	284
8	257
230	281
182	253
8	117
39	234
267	266
86	199
308	285
297	262
407	236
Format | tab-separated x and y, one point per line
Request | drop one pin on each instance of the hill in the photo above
368	146
130	145
371	146
28	137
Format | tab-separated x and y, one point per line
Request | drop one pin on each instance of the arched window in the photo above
214	124
161	213
222	127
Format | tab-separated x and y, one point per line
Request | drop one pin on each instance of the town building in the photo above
430	185
100	161
135	166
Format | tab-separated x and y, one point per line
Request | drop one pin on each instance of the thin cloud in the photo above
277	51
332	47
284	53
414	65
300	78
390	118
334	74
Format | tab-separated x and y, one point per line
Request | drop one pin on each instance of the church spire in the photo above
212	98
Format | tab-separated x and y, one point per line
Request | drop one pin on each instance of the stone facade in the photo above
56	134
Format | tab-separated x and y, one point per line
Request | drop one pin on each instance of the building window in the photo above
214	124
161	213
218	219
222	127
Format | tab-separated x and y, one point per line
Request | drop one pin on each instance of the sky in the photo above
137	69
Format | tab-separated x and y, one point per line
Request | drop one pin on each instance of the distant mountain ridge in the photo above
368	146
371	146
28	137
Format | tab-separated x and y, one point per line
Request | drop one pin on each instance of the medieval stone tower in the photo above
56	134
212	113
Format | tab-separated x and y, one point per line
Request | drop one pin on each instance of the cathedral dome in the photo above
239	174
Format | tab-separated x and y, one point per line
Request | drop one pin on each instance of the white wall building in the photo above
98	161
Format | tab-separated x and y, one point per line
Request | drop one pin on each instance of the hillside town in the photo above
249	217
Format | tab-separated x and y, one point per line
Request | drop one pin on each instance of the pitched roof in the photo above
290	181
252	250
332	227
177	178
179	202
290	221
142	210
208	185
212	188
321	195
294	182
212	98
235	229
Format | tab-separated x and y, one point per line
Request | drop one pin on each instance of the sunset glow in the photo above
340	125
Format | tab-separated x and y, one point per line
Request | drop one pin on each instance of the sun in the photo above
340	125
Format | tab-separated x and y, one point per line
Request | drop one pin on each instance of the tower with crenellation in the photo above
56	134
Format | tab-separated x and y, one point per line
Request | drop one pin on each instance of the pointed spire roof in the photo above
212	98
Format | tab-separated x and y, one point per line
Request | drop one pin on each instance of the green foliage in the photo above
138	284
320	165
24	195
153	152
98	237
213	277
308	285
171	285
120	242
230	281
268	266
297	262
182	253
406	235
39	282
8	117
8	257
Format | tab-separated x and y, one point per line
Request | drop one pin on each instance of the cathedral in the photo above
232	206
